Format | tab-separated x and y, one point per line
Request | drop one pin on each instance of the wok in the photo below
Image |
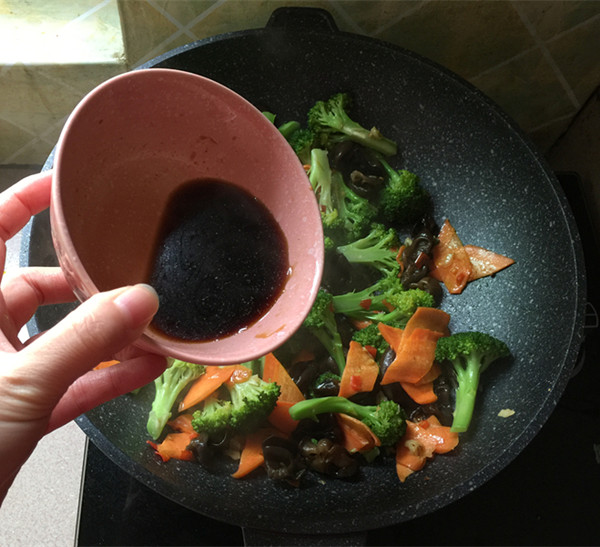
484	175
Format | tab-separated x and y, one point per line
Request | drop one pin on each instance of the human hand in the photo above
47	381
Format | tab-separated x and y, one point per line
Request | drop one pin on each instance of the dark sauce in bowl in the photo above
220	263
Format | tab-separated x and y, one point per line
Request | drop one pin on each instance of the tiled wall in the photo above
540	60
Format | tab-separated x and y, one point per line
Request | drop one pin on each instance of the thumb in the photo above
96	330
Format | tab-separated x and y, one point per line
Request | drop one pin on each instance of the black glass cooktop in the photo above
549	495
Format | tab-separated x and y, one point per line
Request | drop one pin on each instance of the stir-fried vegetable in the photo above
362	377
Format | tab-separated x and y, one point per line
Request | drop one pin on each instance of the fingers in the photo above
26	289
93	332
21	201
98	386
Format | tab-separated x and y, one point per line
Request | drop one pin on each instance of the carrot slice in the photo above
428	318
451	262
360	372
274	371
182	423
105	364
174	446
252	454
392	335
421	393
208	383
485	262
358	437
421	441
415	357
280	417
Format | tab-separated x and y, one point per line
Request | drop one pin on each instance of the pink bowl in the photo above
133	141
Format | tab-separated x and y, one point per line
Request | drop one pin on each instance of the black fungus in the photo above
282	460
359	167
328	458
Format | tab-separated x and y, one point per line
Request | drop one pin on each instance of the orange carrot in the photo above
421	393
452	265
415	357
280	417
252	454
360	372
428	318
392	335
182	423
274	371
208	383
485	262
174	446
358	437
421	441
105	364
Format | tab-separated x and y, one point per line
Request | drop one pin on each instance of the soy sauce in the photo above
221	260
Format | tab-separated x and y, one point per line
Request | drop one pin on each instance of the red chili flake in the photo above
371	350
366	303
355	382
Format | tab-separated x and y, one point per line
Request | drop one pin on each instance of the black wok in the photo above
498	192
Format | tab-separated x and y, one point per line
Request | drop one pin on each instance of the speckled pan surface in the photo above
497	191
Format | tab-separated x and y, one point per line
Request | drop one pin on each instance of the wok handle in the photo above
300	18
255	537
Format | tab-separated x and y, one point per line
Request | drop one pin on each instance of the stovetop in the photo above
549	495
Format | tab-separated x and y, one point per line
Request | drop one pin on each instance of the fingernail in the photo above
138	304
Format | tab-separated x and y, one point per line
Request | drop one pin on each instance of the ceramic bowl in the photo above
128	146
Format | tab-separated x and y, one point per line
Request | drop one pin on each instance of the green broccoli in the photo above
362	304
470	353
252	400
301	139
322	324
402	200
379	249
329	120
371	336
355	213
320	176
168	386
404	306
214	418
250	403
386	420
287	129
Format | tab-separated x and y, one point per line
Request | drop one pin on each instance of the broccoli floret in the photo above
386	420
371	336
168	386
252	401
322	324
379	249
402	199
345	215
214	418
355	213
329	118
365	303
404	305
300	138
321	180
470	353
287	129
